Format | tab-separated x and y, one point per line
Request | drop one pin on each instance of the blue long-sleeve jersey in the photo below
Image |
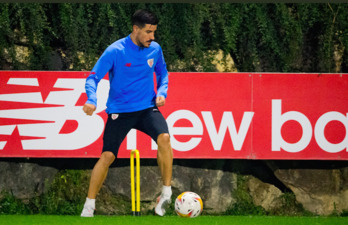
131	71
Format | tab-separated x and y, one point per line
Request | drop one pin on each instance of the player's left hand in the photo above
160	101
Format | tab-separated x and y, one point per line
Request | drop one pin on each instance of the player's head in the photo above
144	26
142	17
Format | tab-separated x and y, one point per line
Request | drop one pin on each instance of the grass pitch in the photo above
169	220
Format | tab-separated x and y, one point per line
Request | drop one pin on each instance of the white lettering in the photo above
217	136
197	129
278	119
320	136
132	139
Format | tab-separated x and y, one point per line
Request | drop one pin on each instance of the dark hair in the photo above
142	17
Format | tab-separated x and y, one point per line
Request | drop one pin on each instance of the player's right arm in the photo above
100	69
89	109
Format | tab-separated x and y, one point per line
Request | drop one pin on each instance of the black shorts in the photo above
150	121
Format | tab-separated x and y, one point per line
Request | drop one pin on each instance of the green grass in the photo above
169	220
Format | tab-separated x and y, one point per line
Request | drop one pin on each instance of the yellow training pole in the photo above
132	181
136	152
138	182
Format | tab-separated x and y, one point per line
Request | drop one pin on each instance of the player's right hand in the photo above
89	109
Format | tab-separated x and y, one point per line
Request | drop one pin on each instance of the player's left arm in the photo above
162	80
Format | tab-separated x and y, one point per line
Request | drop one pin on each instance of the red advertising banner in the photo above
210	115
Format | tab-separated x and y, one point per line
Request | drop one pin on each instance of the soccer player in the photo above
132	102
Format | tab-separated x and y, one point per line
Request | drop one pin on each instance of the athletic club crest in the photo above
114	116
150	62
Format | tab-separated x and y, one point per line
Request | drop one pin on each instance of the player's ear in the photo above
135	28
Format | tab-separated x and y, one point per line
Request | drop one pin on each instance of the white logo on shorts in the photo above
114	116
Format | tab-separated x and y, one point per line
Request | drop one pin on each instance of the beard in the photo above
142	46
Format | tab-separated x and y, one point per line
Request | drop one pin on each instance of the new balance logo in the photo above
49	116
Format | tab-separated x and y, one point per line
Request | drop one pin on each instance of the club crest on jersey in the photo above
114	116
150	62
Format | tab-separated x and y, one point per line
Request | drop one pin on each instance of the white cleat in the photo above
162	203
88	211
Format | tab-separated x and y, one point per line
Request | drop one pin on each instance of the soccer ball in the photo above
188	204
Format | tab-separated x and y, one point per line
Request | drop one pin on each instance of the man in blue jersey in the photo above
132	102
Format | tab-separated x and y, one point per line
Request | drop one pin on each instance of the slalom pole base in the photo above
136	213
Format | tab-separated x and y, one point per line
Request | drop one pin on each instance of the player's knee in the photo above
163	140
107	158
